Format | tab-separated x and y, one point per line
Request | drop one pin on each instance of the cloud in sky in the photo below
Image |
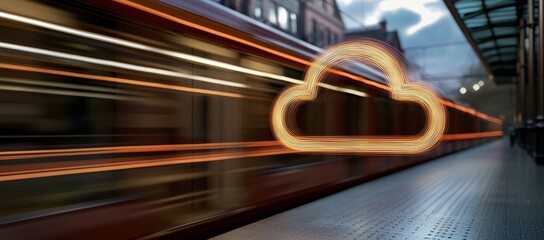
407	17
426	10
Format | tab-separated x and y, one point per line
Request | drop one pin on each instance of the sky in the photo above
428	33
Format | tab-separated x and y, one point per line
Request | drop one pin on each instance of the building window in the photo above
321	3
327	40
329	36
313	34
283	18
293	23
317	39
320	32
258	12
272	14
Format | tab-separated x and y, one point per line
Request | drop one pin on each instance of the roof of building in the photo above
380	33
492	28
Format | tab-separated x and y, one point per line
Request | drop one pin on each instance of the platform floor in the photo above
488	192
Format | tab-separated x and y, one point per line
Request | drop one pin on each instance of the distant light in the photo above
463	90
347	2
481	83
476	87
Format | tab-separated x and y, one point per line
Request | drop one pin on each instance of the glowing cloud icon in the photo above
383	59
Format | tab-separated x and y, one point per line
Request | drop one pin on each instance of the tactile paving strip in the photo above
489	192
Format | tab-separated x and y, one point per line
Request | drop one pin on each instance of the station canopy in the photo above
492	28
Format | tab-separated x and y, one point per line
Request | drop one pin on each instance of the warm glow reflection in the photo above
379	56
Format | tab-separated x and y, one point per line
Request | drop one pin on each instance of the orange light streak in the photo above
13	155
27	154
462	136
118	80
109	166
274	148
287	56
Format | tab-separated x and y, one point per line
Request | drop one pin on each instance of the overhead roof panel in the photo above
491	26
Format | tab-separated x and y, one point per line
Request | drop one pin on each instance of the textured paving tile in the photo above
488	192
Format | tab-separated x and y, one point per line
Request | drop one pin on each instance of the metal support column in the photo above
531	98
540	81
522	89
539	126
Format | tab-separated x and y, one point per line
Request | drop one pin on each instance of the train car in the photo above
151	119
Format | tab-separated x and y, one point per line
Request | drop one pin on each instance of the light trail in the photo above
58	170
71	86
286	56
177	55
31	154
15	88
463	136
27	154
30	171
214	63
121	65
118	80
15	155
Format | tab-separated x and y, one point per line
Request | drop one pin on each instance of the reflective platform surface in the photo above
488	192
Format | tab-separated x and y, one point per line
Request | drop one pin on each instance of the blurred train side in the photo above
126	142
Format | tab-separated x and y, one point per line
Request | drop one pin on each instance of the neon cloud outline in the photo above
382	58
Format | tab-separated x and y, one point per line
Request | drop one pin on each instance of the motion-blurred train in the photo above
150	119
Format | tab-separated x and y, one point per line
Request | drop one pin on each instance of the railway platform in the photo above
488	192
